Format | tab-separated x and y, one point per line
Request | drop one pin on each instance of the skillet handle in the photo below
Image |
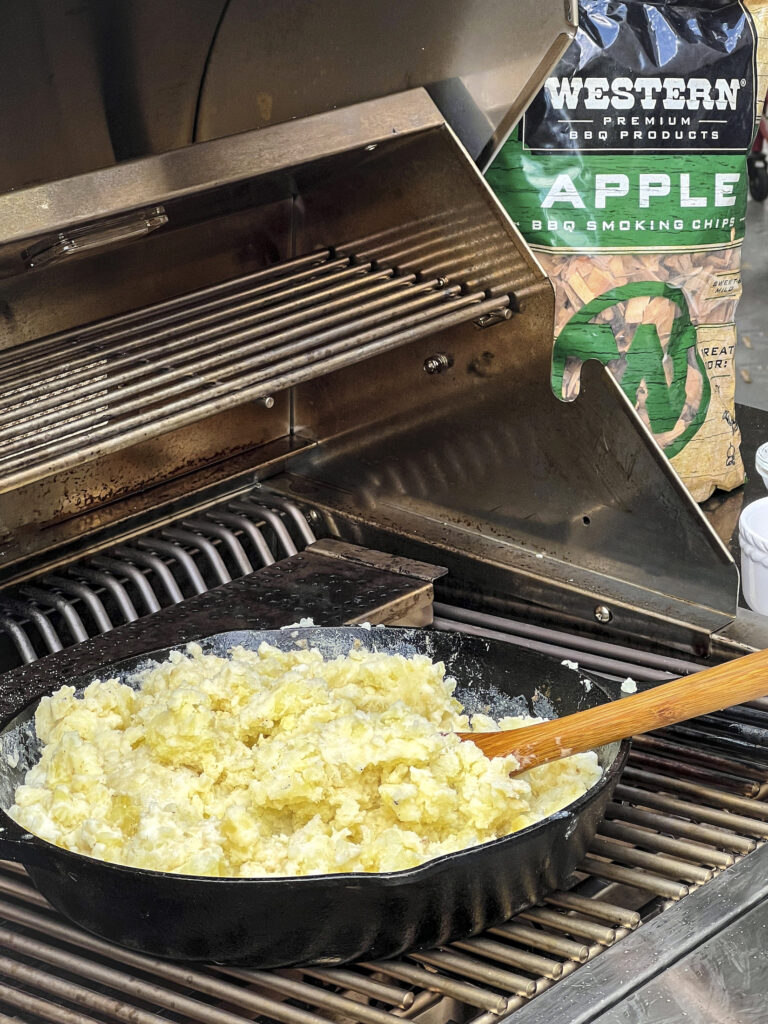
18	845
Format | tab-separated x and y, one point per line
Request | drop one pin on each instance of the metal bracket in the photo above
496	316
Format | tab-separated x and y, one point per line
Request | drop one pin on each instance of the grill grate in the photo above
140	374
155	571
663	836
652	849
690	804
36	945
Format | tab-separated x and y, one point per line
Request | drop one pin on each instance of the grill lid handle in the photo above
94	236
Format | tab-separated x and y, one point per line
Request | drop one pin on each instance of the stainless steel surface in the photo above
94	506
539	939
573	924
680	848
392	454
294	989
649	881
482	60
704	815
560	531
723	979
595	908
609	659
702	834
706	794
246	224
109	232
630	856
452	961
225	541
163	568
612	987
154	449
232	212
88	86
297	278
491	950
694	759
747	632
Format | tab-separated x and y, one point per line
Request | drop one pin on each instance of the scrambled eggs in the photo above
278	763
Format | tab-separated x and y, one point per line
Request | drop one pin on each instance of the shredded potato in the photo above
278	763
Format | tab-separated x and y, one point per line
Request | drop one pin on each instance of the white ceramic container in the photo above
753	540
761	462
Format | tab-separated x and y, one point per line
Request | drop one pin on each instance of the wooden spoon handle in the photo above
699	694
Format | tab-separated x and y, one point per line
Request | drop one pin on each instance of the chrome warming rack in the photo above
138	375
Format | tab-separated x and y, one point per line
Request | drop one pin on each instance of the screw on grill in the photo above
437	363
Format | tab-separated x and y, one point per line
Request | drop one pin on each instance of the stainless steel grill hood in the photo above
86	85
154	331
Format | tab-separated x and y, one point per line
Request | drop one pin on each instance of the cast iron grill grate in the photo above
146	574
143	373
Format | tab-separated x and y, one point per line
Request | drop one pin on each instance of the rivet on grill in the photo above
603	613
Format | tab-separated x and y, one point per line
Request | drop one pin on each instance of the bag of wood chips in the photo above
627	176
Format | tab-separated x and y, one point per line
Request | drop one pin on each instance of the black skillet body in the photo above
330	919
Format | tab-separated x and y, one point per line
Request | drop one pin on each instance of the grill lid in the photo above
86	86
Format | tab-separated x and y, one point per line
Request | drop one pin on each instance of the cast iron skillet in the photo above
330	919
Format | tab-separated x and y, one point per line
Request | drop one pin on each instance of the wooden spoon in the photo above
699	694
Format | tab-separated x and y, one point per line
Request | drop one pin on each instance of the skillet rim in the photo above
365	878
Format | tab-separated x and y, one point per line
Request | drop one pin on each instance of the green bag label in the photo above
591	201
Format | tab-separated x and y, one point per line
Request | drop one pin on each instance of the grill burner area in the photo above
256	533
689	806
664	837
